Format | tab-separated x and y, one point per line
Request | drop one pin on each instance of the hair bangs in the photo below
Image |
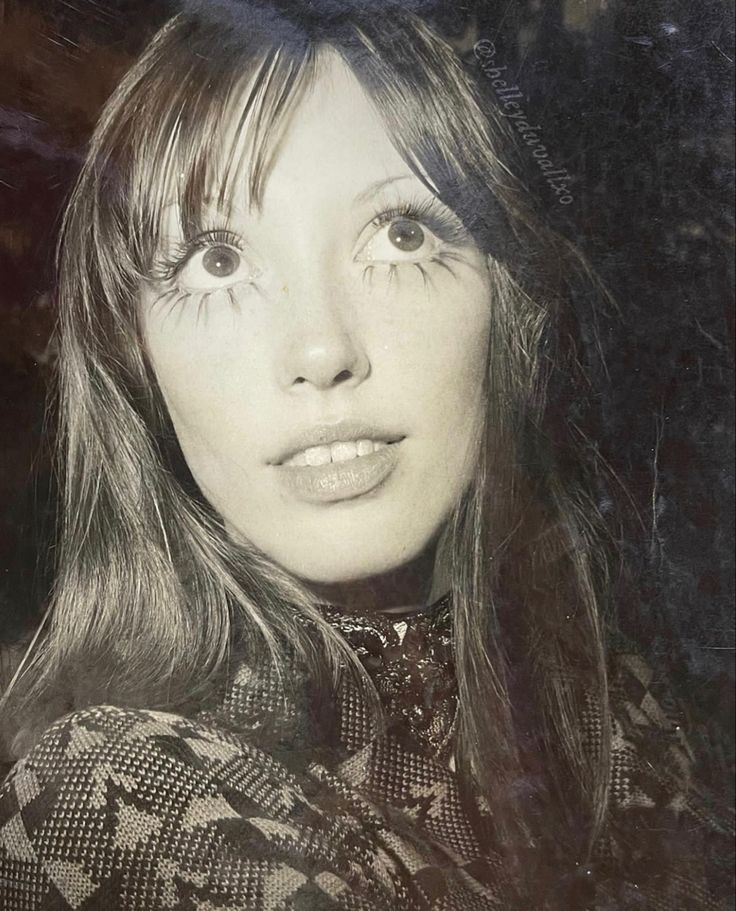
210	135
437	123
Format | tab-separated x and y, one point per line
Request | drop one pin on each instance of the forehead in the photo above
333	138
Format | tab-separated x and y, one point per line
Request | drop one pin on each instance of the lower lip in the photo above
340	480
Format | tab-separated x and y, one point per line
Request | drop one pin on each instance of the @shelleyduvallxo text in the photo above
508	96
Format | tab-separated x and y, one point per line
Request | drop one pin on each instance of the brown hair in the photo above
150	588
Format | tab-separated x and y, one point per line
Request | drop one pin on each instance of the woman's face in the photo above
323	357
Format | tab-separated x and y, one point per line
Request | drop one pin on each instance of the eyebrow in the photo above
372	189
368	193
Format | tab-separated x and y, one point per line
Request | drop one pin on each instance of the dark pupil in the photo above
221	261
406	235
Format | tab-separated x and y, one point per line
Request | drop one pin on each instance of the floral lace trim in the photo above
411	662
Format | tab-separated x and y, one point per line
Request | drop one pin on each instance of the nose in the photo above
322	346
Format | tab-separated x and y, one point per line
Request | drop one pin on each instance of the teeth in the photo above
342	451
318	455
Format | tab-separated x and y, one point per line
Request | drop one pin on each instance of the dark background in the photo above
635	101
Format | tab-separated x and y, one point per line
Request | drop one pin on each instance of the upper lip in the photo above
325	434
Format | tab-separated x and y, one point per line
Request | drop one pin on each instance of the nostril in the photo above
342	376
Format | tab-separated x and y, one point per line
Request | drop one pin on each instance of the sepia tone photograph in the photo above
367	455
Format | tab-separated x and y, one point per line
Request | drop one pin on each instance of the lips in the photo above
313	445
340	451
338	462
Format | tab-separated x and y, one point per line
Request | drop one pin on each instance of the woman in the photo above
328	625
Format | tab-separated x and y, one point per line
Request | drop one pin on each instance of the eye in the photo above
221	261
413	233
209	262
400	236
406	235
211	268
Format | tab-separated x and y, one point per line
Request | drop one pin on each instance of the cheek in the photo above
438	357
201	357
195	394
207	372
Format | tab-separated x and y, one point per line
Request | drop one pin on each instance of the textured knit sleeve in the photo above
669	844
141	810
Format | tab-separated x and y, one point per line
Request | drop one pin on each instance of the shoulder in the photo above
668	838
654	754
103	754
130	806
649	732
95	795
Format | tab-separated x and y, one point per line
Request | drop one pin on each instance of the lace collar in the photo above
410	659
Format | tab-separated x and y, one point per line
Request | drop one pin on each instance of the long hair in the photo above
150	590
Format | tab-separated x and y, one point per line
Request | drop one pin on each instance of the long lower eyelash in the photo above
165	296
170	299
439	259
176	297
202	304
423	272
368	273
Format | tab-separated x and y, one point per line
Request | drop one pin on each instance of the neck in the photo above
403	589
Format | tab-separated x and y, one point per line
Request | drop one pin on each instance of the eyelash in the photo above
431	213
169	266
425	211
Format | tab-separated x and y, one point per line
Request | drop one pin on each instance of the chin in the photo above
334	562
337	568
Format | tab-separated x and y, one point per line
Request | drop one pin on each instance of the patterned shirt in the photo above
143	810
